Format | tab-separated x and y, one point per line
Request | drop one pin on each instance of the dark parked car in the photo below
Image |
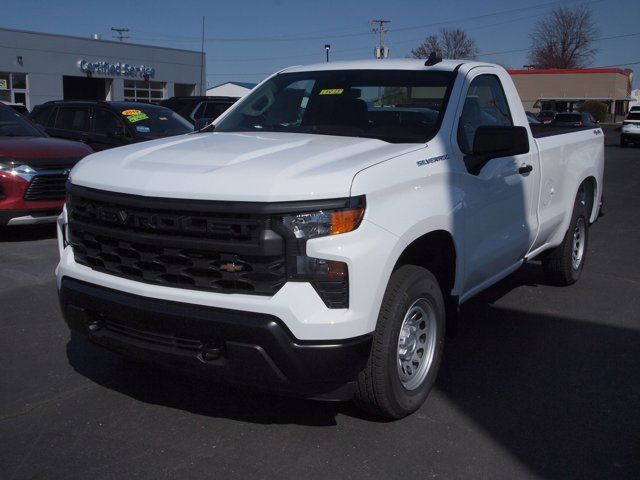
105	125
533	120
574	119
547	116
204	109
33	170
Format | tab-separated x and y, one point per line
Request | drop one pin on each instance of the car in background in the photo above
33	170
631	129
533	120
574	119
104	125
203	109
547	116
635	108
18	107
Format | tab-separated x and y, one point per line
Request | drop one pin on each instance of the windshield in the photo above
153	121
633	116
399	106
12	124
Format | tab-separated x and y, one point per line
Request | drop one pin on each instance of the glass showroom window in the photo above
13	87
143	91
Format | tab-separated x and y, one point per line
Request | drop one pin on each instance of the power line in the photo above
597	39
303	37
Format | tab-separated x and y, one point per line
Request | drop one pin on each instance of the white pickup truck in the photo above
318	236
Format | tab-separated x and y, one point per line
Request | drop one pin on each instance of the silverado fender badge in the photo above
431	160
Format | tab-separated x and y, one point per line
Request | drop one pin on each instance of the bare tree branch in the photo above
564	39
449	43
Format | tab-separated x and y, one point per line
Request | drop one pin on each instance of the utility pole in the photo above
120	33
377	26
202	79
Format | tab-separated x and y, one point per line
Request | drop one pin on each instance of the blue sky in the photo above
247	40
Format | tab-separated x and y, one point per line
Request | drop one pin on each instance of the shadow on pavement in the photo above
560	394
27	233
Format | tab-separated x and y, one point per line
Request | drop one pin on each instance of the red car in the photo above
33	170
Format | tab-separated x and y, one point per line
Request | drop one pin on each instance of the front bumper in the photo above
248	348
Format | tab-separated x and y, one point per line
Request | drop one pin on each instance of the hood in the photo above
252	166
43	151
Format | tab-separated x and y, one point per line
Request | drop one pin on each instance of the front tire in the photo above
564	264
407	345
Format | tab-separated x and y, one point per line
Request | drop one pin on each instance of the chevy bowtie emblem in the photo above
231	267
123	215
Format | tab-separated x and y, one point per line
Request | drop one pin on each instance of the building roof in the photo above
556	71
100	40
247	85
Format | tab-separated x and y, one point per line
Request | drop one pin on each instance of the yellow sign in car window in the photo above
134	115
331	91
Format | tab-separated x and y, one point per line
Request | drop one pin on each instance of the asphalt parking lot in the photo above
540	381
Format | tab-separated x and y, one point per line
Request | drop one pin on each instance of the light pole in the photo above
327	47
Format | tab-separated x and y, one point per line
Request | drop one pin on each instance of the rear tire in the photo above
563	265
623	142
407	345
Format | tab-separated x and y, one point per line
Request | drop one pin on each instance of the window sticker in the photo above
131	111
331	91
162	118
136	118
142	129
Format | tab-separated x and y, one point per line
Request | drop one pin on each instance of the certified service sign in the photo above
116	69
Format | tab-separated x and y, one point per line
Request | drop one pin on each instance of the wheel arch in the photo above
436	251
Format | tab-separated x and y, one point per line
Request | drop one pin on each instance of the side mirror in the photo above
496	142
118	132
201	123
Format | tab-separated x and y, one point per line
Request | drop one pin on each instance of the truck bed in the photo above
548	130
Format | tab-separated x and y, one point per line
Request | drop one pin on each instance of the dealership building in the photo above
566	89
38	67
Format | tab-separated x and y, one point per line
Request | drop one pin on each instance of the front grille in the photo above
46	187
184	248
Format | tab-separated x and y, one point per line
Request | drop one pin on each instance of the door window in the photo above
73	118
484	105
41	116
105	122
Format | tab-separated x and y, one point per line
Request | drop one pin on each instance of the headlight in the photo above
15	167
326	222
330	278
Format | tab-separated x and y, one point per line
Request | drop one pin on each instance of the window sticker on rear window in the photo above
143	129
131	111
331	91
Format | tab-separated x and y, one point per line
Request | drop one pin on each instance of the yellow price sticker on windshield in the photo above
331	91
132	111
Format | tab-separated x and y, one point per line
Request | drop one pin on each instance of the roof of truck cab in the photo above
388	64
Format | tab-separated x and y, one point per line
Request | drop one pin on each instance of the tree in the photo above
564	39
449	43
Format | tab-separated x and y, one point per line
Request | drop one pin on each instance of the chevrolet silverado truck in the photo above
318	236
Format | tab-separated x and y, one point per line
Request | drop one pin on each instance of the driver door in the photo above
499	216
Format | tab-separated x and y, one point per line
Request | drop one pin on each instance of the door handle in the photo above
523	170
